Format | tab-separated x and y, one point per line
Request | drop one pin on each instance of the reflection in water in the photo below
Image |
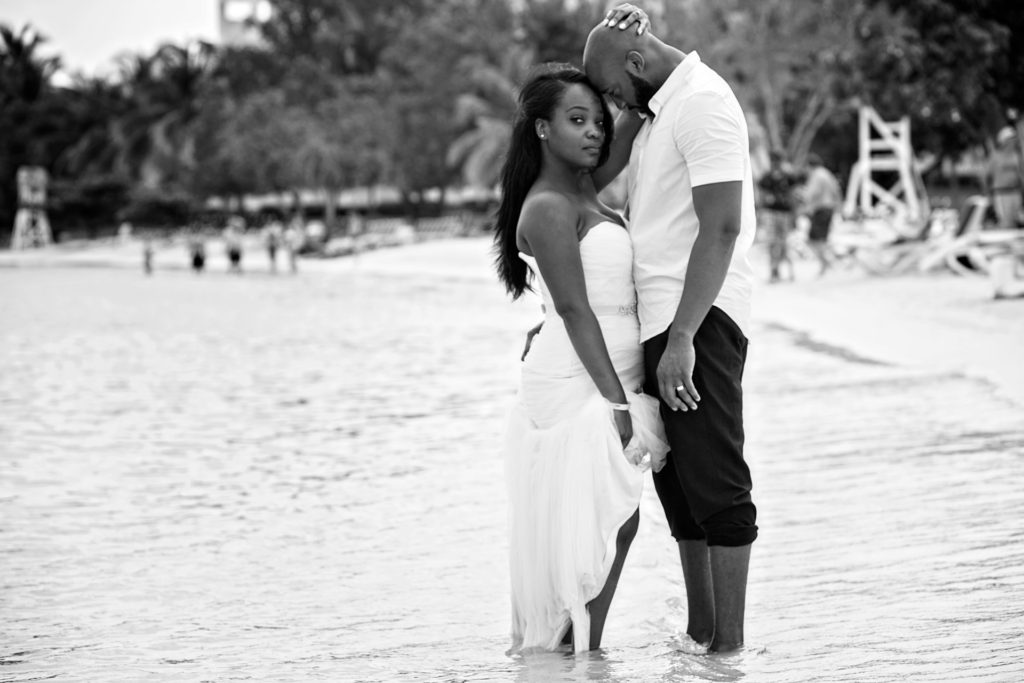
623	665
296	479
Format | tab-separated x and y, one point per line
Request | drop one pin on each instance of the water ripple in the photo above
296	479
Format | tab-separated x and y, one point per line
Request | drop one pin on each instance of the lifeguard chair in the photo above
31	226
884	148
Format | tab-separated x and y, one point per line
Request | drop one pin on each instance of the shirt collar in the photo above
674	82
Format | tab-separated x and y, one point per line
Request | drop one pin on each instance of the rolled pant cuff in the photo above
732	537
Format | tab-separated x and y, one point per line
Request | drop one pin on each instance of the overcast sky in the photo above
88	34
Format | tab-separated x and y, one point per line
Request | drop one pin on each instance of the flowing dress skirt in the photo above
570	485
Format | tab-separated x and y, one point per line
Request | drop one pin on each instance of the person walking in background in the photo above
272	234
197	251
821	198
576	436
147	255
691	224
293	239
777	202
1004	178
233	243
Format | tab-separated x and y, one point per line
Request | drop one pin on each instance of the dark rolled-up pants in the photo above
705	486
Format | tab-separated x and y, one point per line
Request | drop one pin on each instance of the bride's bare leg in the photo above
598	607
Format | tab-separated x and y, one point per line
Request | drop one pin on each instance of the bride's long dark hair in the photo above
537	100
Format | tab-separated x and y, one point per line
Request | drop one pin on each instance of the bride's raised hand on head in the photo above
626	15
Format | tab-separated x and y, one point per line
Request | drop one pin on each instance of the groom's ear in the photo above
635	63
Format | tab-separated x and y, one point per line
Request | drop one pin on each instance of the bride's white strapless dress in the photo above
570	485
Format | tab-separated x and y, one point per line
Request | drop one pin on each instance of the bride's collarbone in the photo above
594	212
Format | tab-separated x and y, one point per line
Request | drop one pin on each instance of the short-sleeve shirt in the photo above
822	190
1005	170
698	136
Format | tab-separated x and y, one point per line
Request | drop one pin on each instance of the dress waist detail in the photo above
609	310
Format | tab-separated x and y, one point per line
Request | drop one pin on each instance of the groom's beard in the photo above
644	91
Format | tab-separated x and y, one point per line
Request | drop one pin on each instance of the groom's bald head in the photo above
624	66
606	51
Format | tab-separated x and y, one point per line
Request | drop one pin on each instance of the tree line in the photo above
419	94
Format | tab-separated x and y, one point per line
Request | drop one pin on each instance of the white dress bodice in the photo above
607	256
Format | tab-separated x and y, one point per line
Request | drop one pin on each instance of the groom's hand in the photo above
529	339
675	374
626	15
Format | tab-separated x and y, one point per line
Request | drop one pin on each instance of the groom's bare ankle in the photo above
719	645
702	636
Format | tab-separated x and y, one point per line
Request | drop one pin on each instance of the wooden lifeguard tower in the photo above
885	149
31	225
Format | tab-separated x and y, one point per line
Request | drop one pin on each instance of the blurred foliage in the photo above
87	204
157	208
941	68
418	94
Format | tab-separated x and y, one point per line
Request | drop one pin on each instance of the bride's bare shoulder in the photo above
548	211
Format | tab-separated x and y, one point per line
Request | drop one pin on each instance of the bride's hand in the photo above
624	423
625	15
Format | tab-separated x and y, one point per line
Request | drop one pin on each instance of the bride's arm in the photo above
548	224
627	123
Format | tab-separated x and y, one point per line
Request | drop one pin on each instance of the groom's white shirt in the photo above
698	137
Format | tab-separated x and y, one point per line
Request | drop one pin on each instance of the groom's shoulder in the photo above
707	91
701	79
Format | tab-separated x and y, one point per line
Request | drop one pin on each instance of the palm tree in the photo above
487	113
163	92
23	73
90	104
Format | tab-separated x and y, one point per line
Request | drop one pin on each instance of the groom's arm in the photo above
718	209
710	134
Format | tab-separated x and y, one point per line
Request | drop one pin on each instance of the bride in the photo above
580	431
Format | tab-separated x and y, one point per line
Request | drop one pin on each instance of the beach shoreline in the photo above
931	321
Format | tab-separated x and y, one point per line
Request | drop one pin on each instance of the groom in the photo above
691	220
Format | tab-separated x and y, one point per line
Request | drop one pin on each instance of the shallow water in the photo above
295	479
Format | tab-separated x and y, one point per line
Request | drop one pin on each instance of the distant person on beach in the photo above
579	430
1004	178
233	243
777	202
821	197
293	239
691	225
197	251
147	256
272	236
